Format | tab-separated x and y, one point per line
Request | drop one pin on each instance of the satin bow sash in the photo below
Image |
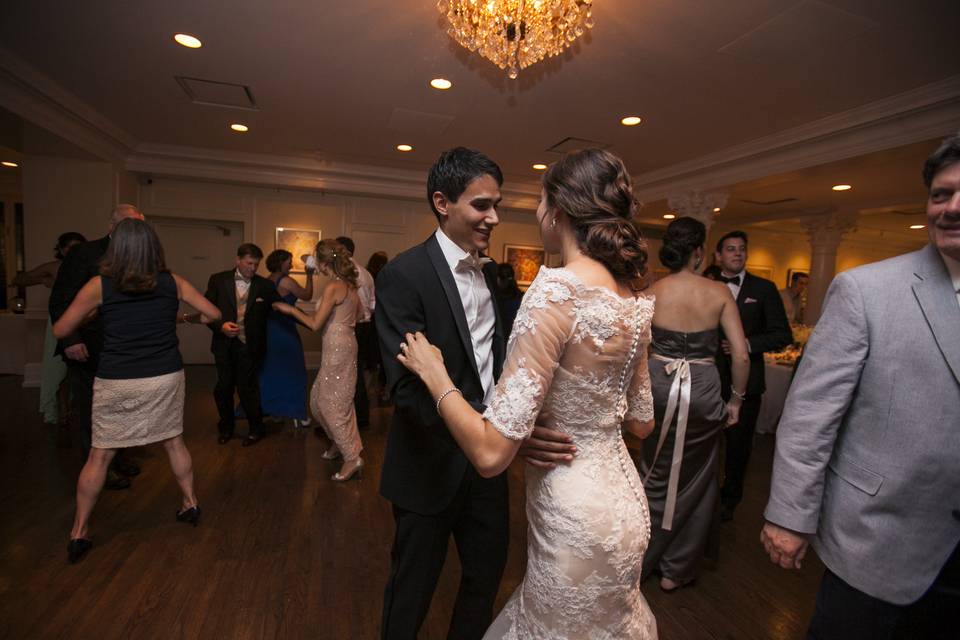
679	368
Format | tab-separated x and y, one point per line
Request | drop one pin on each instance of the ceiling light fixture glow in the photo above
540	166
404	147
441	83
716	209
631	121
841	187
669	216
188	41
242	128
7	163
918	226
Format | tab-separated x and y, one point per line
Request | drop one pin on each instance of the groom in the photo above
444	288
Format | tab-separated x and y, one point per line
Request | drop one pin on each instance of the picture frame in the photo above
761	271
526	261
298	242
790	272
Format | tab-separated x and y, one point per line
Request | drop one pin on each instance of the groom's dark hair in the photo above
455	169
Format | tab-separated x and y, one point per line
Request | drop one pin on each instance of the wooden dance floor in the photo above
283	551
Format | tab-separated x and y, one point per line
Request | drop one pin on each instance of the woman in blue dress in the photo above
283	379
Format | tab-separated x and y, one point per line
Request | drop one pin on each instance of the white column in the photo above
702	206
825	234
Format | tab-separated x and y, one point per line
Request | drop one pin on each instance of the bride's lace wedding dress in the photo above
578	354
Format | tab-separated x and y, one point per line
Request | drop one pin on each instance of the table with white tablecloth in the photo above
778	377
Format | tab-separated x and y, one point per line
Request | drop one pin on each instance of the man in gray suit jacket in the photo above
868	449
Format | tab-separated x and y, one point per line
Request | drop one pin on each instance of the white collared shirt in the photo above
366	293
477	306
735	288
953	266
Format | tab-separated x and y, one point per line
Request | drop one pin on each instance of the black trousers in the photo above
236	370
366	337
845	613
478	518
739	445
80	376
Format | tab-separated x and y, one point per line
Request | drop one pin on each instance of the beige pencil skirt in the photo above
138	411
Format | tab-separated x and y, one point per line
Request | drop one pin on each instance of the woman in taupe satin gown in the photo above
680	460
331	398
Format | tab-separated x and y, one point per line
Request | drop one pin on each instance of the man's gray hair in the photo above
122	211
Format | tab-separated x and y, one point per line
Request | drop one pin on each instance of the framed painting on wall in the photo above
761	271
298	242
526	261
802	272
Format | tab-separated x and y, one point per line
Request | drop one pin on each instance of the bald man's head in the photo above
123	211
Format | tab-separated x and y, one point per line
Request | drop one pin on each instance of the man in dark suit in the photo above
445	288
81	351
239	340
766	328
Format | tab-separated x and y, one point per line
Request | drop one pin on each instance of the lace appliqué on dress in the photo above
544	290
513	408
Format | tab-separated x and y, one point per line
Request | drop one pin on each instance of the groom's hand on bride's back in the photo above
547	447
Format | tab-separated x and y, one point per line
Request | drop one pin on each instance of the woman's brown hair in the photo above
592	187
134	257
335	256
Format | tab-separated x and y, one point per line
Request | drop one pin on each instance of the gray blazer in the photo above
868	448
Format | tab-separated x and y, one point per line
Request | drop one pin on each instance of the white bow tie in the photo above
473	262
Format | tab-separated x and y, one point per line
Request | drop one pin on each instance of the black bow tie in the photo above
732	280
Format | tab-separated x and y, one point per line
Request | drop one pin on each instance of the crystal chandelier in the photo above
514	34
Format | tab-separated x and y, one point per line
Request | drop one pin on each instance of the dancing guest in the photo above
508	296
81	348
766	328
374	362
239	340
793	298
366	335
54	395
331	398
283	377
138	391
680	462
578	353
377	261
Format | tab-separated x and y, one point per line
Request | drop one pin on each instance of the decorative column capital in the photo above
695	204
826	232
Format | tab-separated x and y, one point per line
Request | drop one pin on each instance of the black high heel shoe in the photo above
191	515
78	548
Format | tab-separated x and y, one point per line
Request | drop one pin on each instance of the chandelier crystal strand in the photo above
514	34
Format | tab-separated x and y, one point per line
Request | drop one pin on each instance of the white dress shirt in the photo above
242	286
477	306
953	266
366	293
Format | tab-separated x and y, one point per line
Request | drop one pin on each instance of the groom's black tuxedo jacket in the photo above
765	326
222	292
423	466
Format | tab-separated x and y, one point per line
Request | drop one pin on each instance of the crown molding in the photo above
298	173
37	98
927	112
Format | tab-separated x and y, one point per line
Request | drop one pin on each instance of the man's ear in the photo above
440	203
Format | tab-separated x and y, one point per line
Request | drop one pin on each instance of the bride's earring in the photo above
553	223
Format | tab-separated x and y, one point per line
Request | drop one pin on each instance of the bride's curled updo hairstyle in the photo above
336	257
593	189
683	237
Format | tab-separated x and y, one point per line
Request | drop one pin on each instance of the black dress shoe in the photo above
127	469
115	481
78	548
190	516
249	441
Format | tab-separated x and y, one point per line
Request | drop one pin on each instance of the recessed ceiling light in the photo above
188	41
441	83
716	209
669	216
404	147
631	121
7	163
540	166
841	187
918	226
242	128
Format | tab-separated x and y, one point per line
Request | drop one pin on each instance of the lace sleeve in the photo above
542	328
639	396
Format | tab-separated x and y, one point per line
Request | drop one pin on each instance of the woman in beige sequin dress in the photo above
331	398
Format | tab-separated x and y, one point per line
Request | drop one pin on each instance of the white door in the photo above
195	249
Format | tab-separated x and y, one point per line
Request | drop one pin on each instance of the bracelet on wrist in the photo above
736	394
445	394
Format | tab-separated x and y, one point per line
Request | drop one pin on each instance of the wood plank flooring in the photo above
284	552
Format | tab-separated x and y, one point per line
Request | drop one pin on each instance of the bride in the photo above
577	354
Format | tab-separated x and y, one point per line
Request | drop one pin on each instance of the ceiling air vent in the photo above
218	94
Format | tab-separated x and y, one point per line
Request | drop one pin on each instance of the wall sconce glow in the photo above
669	216
540	166
716	209
404	147
7	163
242	128
631	121
841	187
188	41
441	83
918	226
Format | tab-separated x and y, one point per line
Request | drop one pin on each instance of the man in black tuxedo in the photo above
445	288
81	351
239	340
766	328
